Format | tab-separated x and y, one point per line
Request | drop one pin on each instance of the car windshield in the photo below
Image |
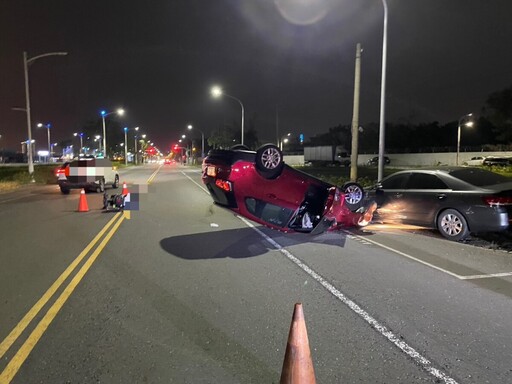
480	177
270	213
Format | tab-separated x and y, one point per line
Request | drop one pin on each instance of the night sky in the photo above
158	60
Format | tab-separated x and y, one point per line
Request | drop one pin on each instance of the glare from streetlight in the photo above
216	91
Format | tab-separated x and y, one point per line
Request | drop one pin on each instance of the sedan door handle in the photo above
442	196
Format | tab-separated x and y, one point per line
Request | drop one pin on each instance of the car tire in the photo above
452	225
354	195
269	161
115	184
64	191
101	186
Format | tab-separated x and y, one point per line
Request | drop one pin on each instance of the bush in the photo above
43	174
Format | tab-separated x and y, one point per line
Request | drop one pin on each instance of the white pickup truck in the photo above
326	155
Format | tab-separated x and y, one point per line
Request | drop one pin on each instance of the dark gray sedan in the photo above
457	200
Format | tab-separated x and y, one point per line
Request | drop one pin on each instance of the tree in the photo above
223	137
498	110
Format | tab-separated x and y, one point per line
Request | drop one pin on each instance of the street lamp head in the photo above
119	111
136	128
189	126
183	136
216	91
125	129
39	125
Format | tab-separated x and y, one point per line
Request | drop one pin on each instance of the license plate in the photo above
211	171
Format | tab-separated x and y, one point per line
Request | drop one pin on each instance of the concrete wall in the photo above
413	159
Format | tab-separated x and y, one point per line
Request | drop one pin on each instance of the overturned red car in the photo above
261	187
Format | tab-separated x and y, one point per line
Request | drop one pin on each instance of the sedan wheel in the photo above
452	225
269	161
354	195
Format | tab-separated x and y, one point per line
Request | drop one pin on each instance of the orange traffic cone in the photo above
297	365
125	189
82	203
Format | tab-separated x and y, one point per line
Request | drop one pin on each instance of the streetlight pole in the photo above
98	137
284	139
26	63
135	142
81	135
382	127
216	92
47	126
125	146
467	124
202	140
104	114
52	146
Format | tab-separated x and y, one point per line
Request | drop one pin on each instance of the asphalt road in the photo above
182	291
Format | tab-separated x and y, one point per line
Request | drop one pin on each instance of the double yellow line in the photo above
19	358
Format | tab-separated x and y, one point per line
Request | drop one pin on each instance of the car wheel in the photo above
116	182
354	195
101	186
269	161
64	191
452	225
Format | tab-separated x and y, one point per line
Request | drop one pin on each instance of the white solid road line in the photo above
460	277
380	328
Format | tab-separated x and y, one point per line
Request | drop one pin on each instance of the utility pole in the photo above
355	116
277	127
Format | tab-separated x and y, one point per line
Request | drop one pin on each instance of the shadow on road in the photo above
240	243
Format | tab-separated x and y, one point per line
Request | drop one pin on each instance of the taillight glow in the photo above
497	200
60	171
223	184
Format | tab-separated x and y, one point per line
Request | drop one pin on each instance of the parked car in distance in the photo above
375	160
476	160
497	161
455	200
261	187
89	173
